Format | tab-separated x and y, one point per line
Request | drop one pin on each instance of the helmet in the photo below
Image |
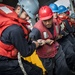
54	7
30	6
45	13
72	15
62	9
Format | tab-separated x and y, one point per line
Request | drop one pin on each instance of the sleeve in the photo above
35	34
62	30
20	43
68	27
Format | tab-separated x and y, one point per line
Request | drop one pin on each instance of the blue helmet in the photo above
54	7
62	9
30	6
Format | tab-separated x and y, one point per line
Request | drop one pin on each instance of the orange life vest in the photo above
57	21
46	51
7	18
66	18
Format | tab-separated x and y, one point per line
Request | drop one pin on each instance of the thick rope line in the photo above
20	64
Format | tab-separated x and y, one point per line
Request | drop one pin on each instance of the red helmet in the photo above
45	13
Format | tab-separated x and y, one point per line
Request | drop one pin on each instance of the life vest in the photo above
46	51
7	18
66	18
57	22
63	18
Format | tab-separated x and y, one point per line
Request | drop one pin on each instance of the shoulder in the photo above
35	31
13	29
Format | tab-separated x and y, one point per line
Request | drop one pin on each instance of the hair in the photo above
19	6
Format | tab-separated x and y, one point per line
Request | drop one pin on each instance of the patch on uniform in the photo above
45	34
62	26
5	9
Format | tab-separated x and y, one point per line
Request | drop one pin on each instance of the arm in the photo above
62	31
68	26
35	34
15	35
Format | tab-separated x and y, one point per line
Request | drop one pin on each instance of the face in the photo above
23	15
17	10
62	15
55	15
48	23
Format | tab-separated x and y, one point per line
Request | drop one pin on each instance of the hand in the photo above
49	41
41	42
36	43
59	37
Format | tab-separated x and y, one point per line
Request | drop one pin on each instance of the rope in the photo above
20	64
